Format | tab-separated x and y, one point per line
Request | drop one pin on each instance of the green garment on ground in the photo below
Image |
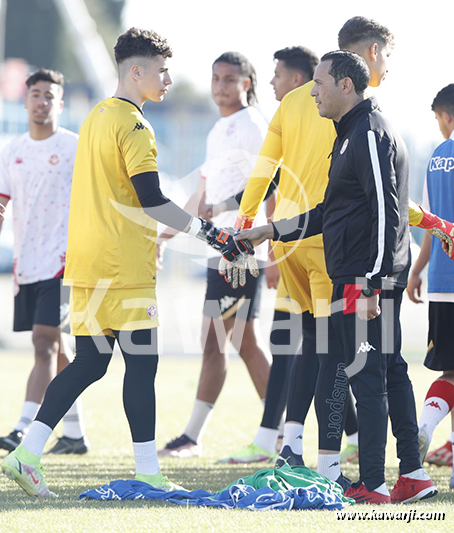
290	477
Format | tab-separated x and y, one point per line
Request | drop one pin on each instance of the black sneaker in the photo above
344	482
288	457
182	447
66	445
12	441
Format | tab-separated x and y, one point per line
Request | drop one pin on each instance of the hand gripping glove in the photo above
442	229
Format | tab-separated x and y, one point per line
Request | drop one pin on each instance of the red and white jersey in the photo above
36	176
232	149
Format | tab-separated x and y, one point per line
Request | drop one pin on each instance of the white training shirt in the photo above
36	176
232	149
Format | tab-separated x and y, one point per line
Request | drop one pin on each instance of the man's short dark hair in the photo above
298	58
44	74
141	43
358	29
444	101
347	64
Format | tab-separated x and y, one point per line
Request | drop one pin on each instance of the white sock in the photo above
36	438
433	412
146	458
382	489
293	437
280	429
73	421
266	438
353	439
329	465
28	413
200	416
420	474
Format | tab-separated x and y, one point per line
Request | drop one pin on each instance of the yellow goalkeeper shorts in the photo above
283	301
303	272
102	311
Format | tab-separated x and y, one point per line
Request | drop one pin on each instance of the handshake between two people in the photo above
237	254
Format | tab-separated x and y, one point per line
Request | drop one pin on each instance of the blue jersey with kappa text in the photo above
440	189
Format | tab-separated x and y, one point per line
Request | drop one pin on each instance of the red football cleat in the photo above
361	495
441	456
408	490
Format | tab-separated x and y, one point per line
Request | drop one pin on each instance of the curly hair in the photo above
358	29
246	69
298	58
141	43
348	65
44	74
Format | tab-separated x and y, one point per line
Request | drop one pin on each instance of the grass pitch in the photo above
234	422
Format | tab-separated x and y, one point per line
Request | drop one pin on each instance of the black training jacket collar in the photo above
366	106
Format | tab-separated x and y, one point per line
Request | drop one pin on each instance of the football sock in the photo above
353	439
420	474
28	413
266	438
200	416
146	458
329	465
73	421
382	489
36	438
293	437
439	402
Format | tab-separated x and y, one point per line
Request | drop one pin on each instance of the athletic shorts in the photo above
221	301
303	271
102	311
43	303
440	354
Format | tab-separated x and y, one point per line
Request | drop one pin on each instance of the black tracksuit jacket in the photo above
364	215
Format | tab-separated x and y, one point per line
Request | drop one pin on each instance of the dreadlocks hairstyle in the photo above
141	43
246	69
44	74
358	29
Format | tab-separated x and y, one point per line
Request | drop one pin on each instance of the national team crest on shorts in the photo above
152	311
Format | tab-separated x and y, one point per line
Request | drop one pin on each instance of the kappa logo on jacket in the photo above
365	347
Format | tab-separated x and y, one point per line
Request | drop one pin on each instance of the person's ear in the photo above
373	52
347	86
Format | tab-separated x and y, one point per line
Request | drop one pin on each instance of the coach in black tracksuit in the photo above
364	221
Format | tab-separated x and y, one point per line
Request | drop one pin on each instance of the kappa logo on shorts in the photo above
226	302
152	311
365	347
344	146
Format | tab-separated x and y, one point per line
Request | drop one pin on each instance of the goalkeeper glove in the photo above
442	229
243	223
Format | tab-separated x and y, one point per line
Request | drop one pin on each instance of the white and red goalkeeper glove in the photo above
442	229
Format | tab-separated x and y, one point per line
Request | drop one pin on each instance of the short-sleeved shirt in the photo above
110	237
232	148
302	140
438	198
36	176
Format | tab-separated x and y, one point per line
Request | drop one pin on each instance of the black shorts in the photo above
44	302
440	354
223	301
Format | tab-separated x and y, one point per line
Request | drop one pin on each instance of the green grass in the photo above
234	423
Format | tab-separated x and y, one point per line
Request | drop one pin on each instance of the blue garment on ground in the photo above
237	496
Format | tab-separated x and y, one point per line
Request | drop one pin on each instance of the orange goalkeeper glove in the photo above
442	229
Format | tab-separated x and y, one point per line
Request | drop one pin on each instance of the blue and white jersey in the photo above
439	195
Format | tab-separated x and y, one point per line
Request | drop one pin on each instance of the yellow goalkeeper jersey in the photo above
300	141
109	236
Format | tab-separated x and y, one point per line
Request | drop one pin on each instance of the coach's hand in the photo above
368	308
256	235
414	286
